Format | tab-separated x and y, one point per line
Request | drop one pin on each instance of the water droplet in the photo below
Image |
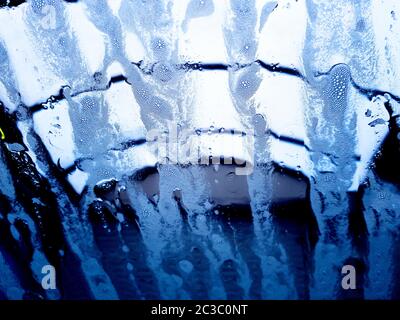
244	83
186	266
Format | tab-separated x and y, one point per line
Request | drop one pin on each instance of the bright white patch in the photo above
204	38
124	111
291	156
36	81
282	38
90	40
114	69
114	6
213	105
134	49
280	100
386	26
222	145
132	159
78	180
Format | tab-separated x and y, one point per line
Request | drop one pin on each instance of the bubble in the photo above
163	72
142	94
62	43
248	83
38	5
159	48
336	89
160	108
98	77
88	103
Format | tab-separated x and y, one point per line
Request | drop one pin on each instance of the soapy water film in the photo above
199	149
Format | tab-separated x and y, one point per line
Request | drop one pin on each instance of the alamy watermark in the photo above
49	19
349	279
49	278
182	146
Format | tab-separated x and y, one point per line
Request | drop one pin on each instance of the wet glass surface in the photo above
200	149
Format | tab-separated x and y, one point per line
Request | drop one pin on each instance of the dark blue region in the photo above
10	3
15	3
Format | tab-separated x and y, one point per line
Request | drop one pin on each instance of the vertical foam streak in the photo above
332	129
